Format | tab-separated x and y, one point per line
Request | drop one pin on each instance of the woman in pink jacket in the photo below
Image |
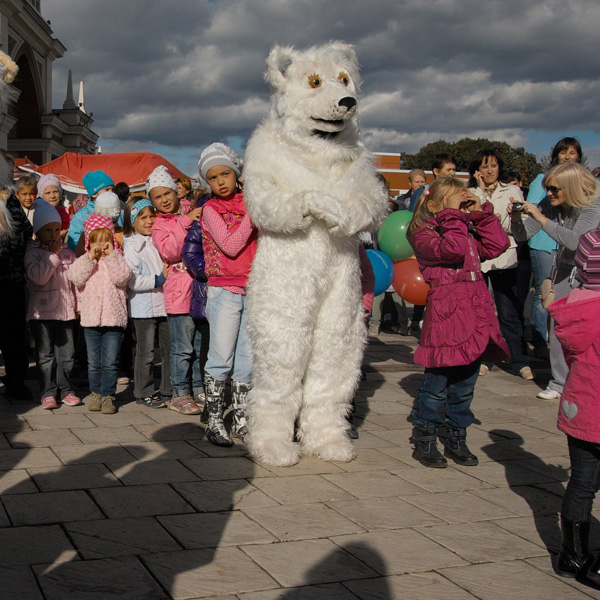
101	276
173	221
52	306
577	326
451	233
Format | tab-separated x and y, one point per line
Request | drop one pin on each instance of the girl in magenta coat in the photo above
451	233
577	327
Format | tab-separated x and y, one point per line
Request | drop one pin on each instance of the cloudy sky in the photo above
171	76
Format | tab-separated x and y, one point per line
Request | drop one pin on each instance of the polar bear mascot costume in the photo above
310	188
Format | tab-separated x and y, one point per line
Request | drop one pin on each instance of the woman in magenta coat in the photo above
451	233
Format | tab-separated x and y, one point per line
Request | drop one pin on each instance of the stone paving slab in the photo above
140	505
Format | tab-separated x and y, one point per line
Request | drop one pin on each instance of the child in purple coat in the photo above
451	233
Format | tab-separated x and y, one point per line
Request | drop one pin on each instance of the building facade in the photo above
31	128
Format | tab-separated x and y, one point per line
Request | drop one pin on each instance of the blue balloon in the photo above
383	269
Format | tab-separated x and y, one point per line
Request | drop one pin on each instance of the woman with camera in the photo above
486	175
570	209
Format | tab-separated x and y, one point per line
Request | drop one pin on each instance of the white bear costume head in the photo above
315	95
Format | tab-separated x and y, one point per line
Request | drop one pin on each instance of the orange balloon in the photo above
408	281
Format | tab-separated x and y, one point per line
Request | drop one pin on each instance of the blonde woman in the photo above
570	209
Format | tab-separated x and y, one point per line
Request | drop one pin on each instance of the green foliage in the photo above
525	163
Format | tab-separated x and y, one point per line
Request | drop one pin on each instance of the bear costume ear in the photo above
346	53
278	62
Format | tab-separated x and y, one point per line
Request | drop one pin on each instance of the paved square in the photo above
139	505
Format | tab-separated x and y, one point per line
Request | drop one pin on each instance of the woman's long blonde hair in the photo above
444	186
576	181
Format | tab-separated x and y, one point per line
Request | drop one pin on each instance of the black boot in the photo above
239	393
590	575
456	448
215	430
426	450
574	552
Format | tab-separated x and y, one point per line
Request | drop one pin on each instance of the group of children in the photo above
177	271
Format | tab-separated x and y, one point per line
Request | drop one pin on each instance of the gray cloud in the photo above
188	72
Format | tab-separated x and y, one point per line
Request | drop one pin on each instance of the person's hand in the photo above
55	246
95	251
479	179
454	201
165	270
107	249
472	202
195	214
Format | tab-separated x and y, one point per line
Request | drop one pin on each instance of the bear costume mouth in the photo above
328	129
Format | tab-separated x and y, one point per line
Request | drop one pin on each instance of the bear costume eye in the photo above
343	78
314	81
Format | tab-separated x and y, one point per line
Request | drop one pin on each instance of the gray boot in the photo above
215	430
239	397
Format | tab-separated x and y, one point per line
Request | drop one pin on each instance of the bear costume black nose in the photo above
348	102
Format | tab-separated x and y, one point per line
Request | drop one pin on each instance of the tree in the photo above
463	151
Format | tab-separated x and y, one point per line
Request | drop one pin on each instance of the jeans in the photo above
54	345
103	350
504	286
584	481
229	349
143	373
451	388
186	343
541	265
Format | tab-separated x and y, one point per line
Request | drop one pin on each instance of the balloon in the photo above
408	281
383	269
392	236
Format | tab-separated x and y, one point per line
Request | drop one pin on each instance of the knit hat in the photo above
587	258
94	181
218	154
43	214
45	181
97	221
160	177
108	203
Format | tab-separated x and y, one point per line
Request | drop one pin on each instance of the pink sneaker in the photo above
49	402
71	400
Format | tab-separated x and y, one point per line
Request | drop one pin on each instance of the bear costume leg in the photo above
330	381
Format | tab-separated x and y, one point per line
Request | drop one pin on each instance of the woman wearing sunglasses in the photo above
570	209
542	246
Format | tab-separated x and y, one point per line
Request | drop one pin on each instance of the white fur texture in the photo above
310	188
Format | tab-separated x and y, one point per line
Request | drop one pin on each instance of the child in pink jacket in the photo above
173	220
577	327
451	233
101	276
52	306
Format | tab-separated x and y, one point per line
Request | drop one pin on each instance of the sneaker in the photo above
95	402
71	400
108	406
123	380
526	373
154	401
49	402
483	370
184	405
201	400
548	394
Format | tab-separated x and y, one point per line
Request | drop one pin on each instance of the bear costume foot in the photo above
339	449
274	452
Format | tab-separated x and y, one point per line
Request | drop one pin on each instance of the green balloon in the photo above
392	236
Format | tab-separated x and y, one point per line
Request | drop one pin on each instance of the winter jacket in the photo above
500	200
224	269
577	326
101	285
460	321
51	294
12	247
168	236
193	259
76	225
146	298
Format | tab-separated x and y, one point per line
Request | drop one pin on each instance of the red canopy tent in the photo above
131	167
